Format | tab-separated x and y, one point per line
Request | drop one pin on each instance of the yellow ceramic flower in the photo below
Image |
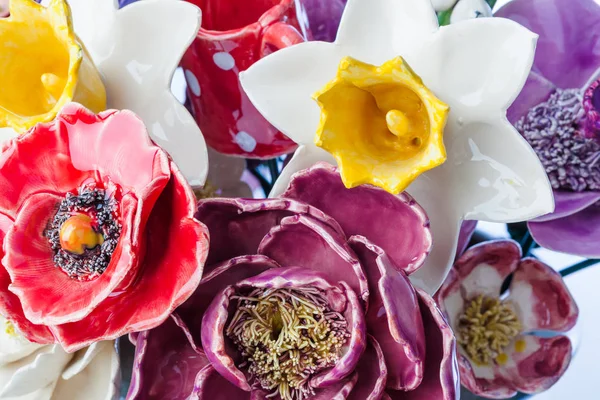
382	125
42	65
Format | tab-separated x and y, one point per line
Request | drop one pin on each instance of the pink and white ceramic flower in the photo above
522	350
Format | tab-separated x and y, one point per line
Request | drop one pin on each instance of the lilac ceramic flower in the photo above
498	352
558	112
324	17
307	297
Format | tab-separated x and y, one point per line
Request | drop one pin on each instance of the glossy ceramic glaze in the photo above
234	35
477	67
137	59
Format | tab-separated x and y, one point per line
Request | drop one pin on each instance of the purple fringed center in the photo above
554	130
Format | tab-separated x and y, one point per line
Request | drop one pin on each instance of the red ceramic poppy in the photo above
98	232
234	35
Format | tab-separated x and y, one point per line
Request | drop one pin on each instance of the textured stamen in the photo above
285	337
554	130
486	328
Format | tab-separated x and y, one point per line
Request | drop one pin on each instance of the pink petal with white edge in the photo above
541	298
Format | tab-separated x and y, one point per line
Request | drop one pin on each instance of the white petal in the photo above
304	157
98	381
469	9
6	134
137	58
33	372
375	31
281	86
83	357
442	5
494	174
13	346
477	66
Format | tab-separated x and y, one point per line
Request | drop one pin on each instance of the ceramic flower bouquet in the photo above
120	227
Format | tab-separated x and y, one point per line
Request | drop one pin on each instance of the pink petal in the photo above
441	379
467	229
176	249
542	298
338	391
237	226
10	305
165	364
210	385
393	317
364	211
48	295
304	241
372	373
221	275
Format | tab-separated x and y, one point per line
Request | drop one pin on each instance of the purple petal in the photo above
304	241
542	298
394	316
567	50
324	17
441	380
366	211
537	90
165	364
210	385
464	237
338	391
221	275
372	373
569	203
577	234
237	226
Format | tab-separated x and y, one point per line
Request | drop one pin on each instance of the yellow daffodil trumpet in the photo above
382	124
43	66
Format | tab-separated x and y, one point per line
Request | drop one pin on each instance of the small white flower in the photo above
442	5
468	9
477	67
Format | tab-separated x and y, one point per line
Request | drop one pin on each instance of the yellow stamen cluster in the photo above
10	329
486	328
285	337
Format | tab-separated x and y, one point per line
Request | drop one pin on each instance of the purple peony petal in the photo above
368	211
569	203
577	234
304	241
324	17
210	385
237	226
441	380
567	50
221	275
537	90
165	364
372	373
393	317
464	237
541	298
338	391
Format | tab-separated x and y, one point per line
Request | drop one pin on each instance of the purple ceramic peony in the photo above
558	112
307	297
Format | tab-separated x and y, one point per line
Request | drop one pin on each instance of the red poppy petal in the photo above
165	365
48	295
176	249
394	316
541	298
303	241
10	306
372	373
237	226
364	210
221	276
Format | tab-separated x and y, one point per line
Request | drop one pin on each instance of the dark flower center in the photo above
591	104
286	336
84	233
554	130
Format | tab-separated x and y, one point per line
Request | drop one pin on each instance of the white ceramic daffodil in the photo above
476	67
30	371
136	50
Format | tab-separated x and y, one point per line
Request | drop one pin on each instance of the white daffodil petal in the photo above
6	134
496	176
83	358
478	66
375	31
137	61
98	381
33	372
304	157
281	86
13	346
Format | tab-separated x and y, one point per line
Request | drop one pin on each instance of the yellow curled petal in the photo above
43	67
382	124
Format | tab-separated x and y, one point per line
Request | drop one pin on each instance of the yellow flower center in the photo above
78	234
486	328
383	126
42	65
